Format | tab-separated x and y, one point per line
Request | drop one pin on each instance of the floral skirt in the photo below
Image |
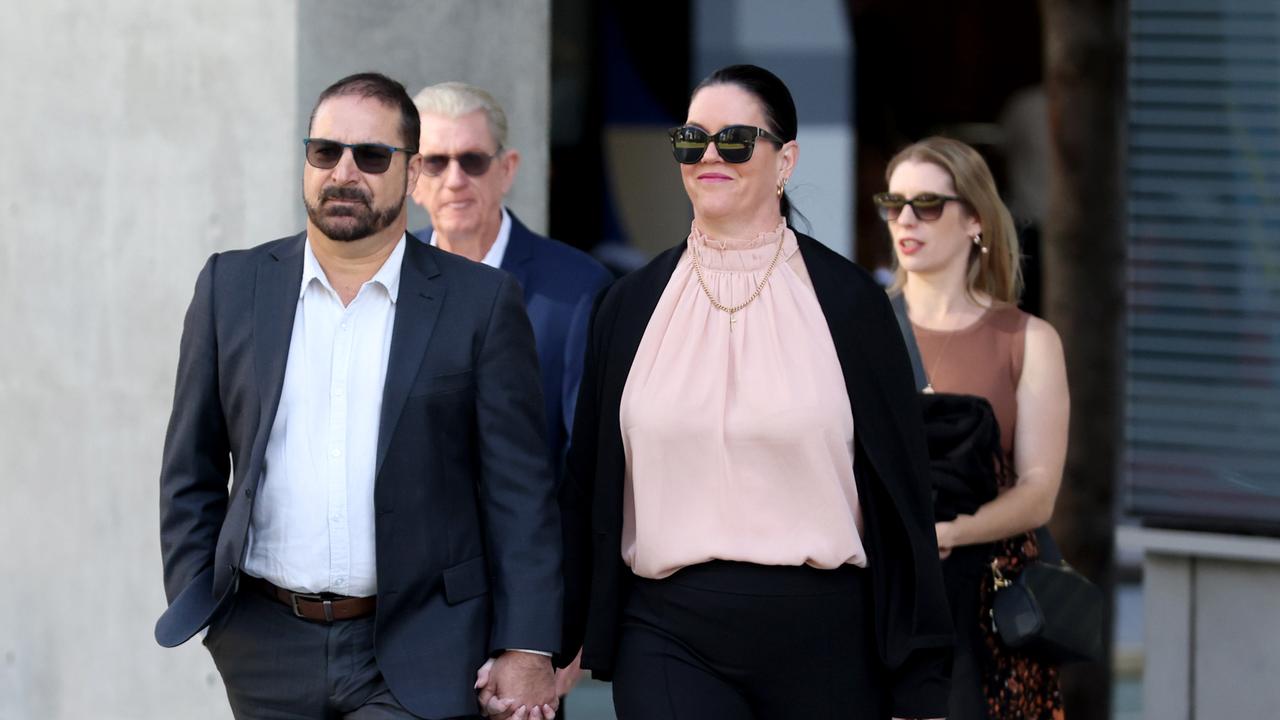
1015	685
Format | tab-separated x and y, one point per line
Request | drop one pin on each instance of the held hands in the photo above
519	686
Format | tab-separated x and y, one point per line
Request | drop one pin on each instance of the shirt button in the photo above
335	453
343	326
337	392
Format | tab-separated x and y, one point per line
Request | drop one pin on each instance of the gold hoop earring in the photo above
977	240
782	185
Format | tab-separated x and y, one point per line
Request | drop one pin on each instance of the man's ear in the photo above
510	162
411	174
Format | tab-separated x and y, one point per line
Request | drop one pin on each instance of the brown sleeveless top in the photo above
983	359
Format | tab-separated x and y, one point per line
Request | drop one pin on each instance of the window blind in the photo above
1203	355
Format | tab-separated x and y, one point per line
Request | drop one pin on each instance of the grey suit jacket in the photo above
467	528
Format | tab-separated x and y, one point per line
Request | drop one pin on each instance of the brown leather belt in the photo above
318	607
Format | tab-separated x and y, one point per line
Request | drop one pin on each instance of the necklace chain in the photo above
928	387
715	302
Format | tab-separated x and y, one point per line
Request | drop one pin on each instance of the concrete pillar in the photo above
141	137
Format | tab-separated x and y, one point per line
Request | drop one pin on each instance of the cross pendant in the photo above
733	320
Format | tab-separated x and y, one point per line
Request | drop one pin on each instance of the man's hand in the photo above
517	685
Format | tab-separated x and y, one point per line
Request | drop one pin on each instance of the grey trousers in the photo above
280	667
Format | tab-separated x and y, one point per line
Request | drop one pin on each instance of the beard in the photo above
348	223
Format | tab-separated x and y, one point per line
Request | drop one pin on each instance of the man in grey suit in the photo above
391	520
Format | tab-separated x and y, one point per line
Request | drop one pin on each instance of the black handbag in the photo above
1049	609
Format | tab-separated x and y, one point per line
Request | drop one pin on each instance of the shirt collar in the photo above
498	250
388	276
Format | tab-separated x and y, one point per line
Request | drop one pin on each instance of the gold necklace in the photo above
715	303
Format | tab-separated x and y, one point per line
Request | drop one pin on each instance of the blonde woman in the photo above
958	269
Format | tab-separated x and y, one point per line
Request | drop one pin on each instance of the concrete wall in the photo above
1212	635
140	137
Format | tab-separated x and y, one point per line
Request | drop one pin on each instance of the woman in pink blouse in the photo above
748	524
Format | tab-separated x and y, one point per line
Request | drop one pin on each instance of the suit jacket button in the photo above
248	492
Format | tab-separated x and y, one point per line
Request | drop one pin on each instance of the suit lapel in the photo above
835	306
872	412
839	308
519	252
275	304
418	305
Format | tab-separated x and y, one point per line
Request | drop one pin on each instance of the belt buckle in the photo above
312	597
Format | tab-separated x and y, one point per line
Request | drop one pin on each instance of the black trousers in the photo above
736	640
277	666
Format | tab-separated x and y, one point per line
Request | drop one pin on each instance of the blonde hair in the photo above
997	272
455	99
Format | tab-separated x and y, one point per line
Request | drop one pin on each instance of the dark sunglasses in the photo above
372	158
472	163
734	143
927	207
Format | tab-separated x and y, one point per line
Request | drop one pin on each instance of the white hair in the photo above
455	99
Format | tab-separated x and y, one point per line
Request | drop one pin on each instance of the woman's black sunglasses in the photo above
734	143
372	158
927	207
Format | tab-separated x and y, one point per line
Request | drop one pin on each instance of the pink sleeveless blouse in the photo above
738	437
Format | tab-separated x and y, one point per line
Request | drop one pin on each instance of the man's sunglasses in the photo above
372	158
927	207
734	143
472	163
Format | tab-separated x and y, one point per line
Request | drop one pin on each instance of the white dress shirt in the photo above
313	522
498	250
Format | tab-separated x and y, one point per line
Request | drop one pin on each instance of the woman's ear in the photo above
787	159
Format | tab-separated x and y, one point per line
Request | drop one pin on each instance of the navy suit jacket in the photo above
467	529
560	284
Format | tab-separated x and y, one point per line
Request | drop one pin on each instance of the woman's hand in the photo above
567	677
948	536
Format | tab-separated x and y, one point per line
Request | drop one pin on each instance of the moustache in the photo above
344	193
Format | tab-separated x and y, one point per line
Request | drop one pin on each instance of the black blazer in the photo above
913	626
466	527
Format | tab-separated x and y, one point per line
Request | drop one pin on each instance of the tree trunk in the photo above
1084	271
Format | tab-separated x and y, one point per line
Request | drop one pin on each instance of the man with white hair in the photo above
467	170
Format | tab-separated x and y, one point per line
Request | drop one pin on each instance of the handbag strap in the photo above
1049	551
899	302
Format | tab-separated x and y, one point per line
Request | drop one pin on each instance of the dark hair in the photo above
383	89
774	97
